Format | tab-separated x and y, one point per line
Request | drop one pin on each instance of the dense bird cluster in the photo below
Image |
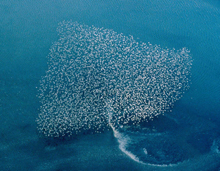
90	68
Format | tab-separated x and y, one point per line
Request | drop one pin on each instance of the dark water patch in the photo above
159	124
164	152
202	141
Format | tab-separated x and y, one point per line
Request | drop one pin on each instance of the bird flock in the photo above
90	68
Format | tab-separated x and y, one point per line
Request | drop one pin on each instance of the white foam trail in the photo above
209	160
122	140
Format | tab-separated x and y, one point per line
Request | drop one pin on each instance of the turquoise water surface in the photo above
188	138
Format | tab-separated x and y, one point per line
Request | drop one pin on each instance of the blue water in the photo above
188	138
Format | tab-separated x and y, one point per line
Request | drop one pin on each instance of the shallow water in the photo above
185	139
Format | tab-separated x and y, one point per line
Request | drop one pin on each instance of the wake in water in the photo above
165	142
99	79
148	145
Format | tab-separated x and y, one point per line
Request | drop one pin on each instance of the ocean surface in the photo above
188	138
